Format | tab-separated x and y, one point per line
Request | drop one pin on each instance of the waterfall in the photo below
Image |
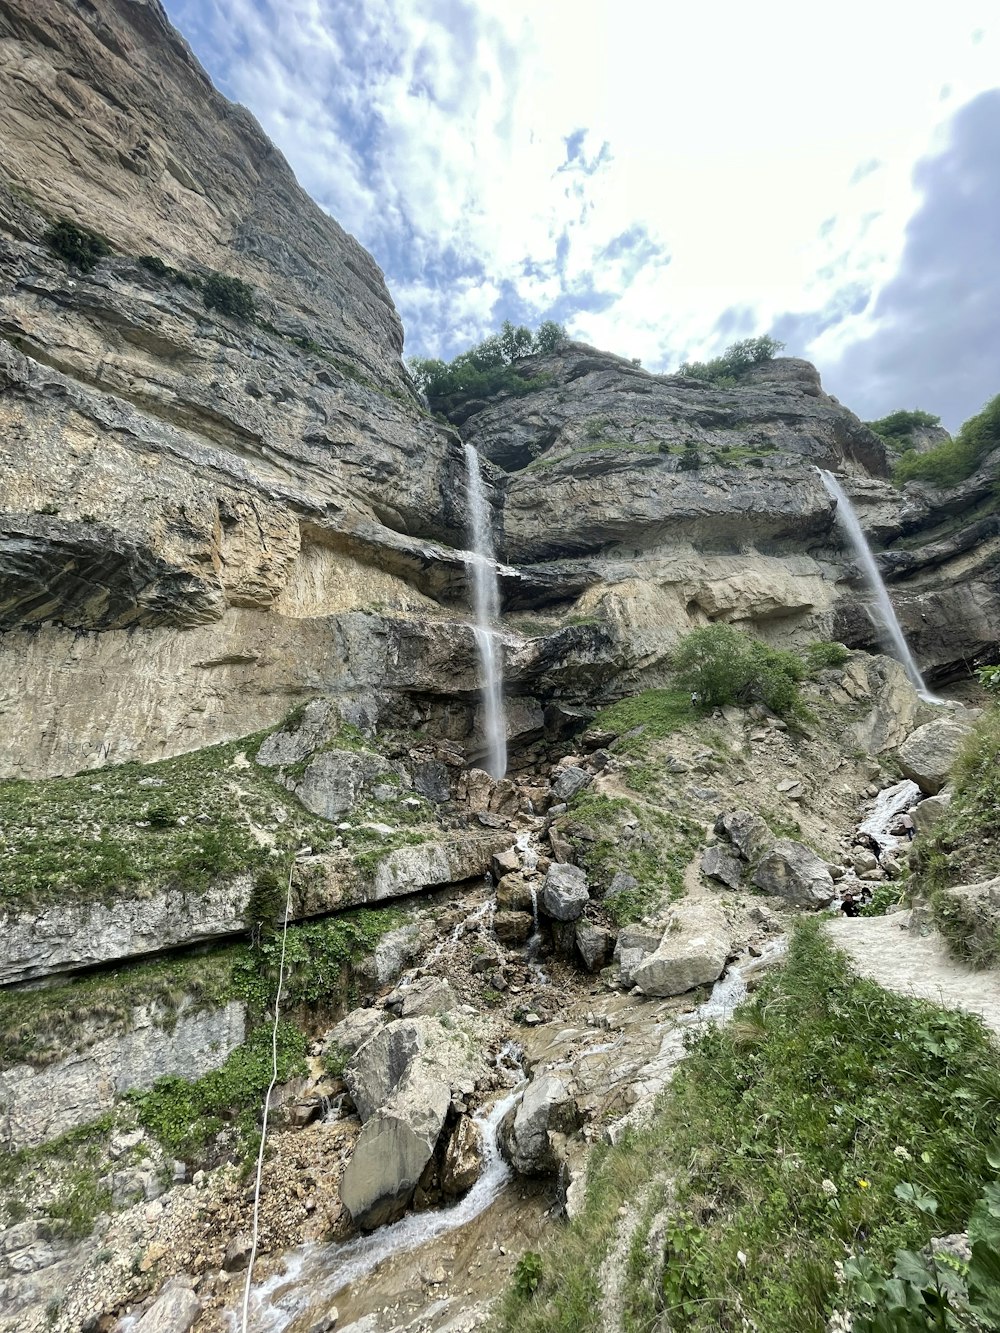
885	615
486	604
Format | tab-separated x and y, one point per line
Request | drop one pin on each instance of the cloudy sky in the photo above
662	178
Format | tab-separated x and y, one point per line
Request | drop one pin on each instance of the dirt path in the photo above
884	948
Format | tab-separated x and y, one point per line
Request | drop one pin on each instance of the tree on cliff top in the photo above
953	460
484	370
726	370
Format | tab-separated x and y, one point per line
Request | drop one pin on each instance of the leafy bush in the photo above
722	665
736	360
954	460
77	245
989	678
897	428
231	296
820	656
528	1274
484	370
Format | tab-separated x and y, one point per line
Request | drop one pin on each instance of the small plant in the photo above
230	296
77	245
989	678
528	1274
885	896
155	265
690	458
819	656
161	816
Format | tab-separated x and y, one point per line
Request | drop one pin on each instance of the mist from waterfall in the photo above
486	605
885	615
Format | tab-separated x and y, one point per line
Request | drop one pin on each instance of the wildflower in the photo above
828	1187
864	1184
901	1153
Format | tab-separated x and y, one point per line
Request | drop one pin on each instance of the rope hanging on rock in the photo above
267	1106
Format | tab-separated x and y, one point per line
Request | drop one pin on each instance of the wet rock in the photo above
794	872
506	862
564	893
429	995
526	1131
746	831
569	782
717	863
430	779
393	1149
594	944
353	1030
512	929
562	848
927	812
463	1158
514	893
927	756
635	944
238	1252
692	952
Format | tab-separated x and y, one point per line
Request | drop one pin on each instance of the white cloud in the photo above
435	131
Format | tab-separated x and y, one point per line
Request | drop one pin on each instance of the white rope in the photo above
267	1104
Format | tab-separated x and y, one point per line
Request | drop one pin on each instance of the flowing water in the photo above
316	1273
486	604
885	615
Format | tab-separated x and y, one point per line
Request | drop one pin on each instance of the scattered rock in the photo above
238	1252
623	882
927	812
429	995
794	872
564	893
512	928
594	945
569	782
746	831
635	943
506	862
376	1069
174	1311
562	848
353	1030
514	894
718	864
430	779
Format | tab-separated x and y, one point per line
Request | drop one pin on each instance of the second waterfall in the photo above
486	604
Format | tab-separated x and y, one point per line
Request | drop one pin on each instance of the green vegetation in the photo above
658	712
40	1026
989	678
67	1171
963	847
722	665
160	269
183	822
659	847
729	368
933	1289
485	370
897	428
230	296
789	1138
886	895
954	460
820	656
184	1116
77	245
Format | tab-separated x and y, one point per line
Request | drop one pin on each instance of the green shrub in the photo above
722	665
989	678
484	370
77	245
231	296
897	428
727	369
528	1274
155	265
820	656
953	460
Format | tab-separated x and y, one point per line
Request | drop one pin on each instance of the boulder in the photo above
635	943
353	1030
430	779
863	860
623	882
717	863
569	782
334	780
174	1311
394	951
514	893
794	872
692	952
512	928
594	944
746	831
429	995
378	1067
526	1131
505	862
564	893
927	755
969	915
927	812
394	1146
463	1158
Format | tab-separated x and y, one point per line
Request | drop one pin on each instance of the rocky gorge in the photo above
246	746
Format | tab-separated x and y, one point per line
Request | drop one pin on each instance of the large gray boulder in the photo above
334	780
564	893
526	1133
927	755
718	863
594	944
377	1068
969	916
925	814
569	782
174	1311
635	943
794	872
692	952
394	1147
746	831
463	1158
353	1030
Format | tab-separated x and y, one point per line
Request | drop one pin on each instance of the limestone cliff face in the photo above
204	520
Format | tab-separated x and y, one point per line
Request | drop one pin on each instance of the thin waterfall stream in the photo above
486	605
885	614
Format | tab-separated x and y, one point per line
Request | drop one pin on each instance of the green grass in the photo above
656	857
68	1171
785	1134
659	712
